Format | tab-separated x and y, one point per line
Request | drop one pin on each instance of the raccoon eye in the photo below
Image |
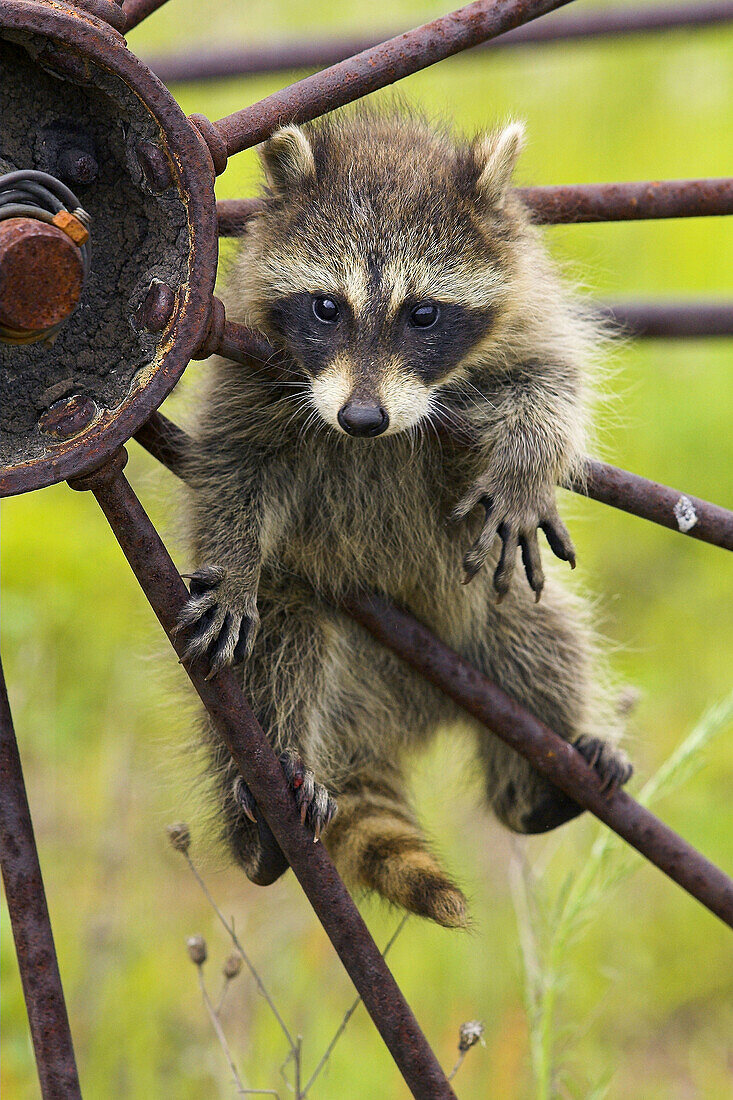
424	315
326	310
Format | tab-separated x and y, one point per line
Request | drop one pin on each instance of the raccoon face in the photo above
373	363
380	267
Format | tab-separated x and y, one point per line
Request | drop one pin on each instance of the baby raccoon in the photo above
426	397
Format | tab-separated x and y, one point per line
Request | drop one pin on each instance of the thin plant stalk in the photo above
458	1065
216	1024
245	958
350	1012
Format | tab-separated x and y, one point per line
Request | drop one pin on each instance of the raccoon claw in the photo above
515	533
222	629
317	807
610	763
558	537
245	799
532	563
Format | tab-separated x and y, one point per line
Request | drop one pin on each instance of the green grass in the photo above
647	990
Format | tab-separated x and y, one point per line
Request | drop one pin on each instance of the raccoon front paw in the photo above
609	761
221	618
317	807
515	522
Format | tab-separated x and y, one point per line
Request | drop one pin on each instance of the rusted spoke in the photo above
138	10
568	26
621	202
377	67
256	760
671	319
26	900
659	503
573	204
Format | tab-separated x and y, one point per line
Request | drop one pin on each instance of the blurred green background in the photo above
647	998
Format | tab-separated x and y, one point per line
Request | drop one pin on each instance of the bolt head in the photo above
67	417
77	166
155	166
157	307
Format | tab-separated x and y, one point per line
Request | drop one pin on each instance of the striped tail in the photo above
376	842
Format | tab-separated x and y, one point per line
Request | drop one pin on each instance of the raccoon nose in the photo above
360	418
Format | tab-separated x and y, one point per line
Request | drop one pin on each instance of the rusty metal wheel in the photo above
77	104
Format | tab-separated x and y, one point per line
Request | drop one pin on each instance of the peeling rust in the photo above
88	53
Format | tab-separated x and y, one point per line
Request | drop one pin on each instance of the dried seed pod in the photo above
469	1034
179	836
197	949
232	966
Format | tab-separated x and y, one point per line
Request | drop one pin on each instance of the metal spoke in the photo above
671	319
378	67
573	204
283	56
659	503
26	900
555	758
138	10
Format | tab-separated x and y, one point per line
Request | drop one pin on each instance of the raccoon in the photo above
427	394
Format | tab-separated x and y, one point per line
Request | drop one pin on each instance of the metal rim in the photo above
194	180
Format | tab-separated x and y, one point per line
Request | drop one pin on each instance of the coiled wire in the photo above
31	194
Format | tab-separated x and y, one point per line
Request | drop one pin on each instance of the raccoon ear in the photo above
496	154
287	159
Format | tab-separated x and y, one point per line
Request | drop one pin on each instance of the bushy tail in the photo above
376	842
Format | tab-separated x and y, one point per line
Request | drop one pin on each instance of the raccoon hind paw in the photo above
541	806
611	763
317	806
